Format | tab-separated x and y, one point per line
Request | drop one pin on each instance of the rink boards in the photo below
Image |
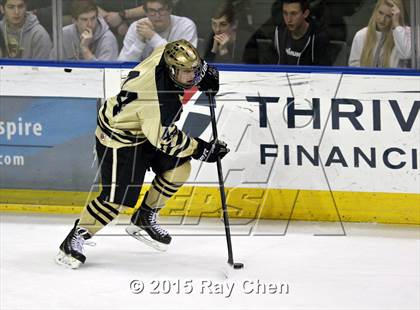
305	145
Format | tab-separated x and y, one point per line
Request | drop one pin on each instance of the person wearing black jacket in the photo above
301	41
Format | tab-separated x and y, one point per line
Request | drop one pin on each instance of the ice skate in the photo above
144	227
71	252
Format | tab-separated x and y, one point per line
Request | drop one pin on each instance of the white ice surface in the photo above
370	267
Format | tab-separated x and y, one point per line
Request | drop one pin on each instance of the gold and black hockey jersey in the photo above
146	108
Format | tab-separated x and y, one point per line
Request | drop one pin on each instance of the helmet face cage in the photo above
182	55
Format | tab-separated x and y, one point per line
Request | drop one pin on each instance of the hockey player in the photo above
135	132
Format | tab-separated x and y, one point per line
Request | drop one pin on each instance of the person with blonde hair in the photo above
386	41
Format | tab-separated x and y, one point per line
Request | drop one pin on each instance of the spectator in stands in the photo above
89	37
158	28
120	14
23	34
301	41
386	41
227	41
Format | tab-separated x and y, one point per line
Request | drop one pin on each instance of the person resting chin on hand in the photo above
86	38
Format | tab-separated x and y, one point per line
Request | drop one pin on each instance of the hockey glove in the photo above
210	151
210	80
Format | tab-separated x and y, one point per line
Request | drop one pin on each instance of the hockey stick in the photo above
212	104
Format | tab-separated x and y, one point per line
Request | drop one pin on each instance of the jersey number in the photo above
123	98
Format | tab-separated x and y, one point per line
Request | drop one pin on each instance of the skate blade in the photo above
67	260
142	236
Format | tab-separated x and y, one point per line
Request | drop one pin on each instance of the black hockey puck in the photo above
238	266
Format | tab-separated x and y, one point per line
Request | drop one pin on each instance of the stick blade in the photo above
229	272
